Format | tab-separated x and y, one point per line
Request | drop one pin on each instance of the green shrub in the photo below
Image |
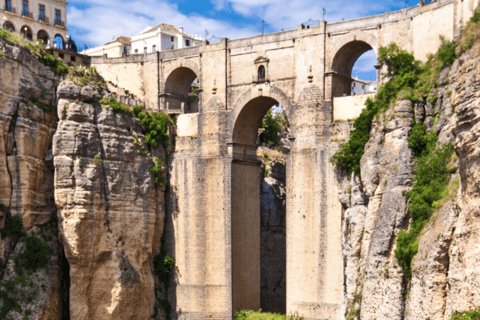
36	254
163	265
259	315
468	315
431	178
404	71
157	170
273	127
41	105
13	227
114	104
447	52
155	126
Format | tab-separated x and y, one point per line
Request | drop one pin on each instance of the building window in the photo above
24	8
145	50
41	12
173	47
57	17
61	56
173	39
154	48
136	51
187	43
9	6
73	58
261	73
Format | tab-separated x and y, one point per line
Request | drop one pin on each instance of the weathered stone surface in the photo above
110	211
26	174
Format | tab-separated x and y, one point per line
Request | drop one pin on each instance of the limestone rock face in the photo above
110	211
375	212
26	181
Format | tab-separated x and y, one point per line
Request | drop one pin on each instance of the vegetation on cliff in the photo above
431	177
404	72
471	315
20	287
259	315
37	50
410	79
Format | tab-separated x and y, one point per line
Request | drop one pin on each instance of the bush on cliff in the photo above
403	71
467	315
38	51
431	178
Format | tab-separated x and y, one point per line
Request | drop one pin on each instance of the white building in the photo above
36	19
159	38
363	86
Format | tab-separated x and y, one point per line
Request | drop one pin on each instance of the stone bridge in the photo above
213	223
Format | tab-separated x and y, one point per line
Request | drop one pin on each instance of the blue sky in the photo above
94	22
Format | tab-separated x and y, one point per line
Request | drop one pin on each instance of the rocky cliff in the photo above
82	202
444	275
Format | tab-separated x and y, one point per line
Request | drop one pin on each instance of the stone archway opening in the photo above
43	35
58	42
182	91
26	33
342	83
9	26
258	213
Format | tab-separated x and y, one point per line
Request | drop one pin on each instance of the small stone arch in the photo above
178	95
43	35
251	107
58	41
341	62
26	32
172	66
8	25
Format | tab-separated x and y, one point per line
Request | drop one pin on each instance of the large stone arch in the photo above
260	91
178	77
343	55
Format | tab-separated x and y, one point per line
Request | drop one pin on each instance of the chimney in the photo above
181	29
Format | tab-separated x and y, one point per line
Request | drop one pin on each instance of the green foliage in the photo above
41	105
13	227
98	158
470	34
259	315
163	265
273	126
447	53
157	171
468	315
431	178
154	124
404	71
1	54
38	51
114	104
36	254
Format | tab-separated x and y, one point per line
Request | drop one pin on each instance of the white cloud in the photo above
100	21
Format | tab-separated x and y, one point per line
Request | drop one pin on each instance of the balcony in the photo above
42	18
28	14
59	23
10	9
